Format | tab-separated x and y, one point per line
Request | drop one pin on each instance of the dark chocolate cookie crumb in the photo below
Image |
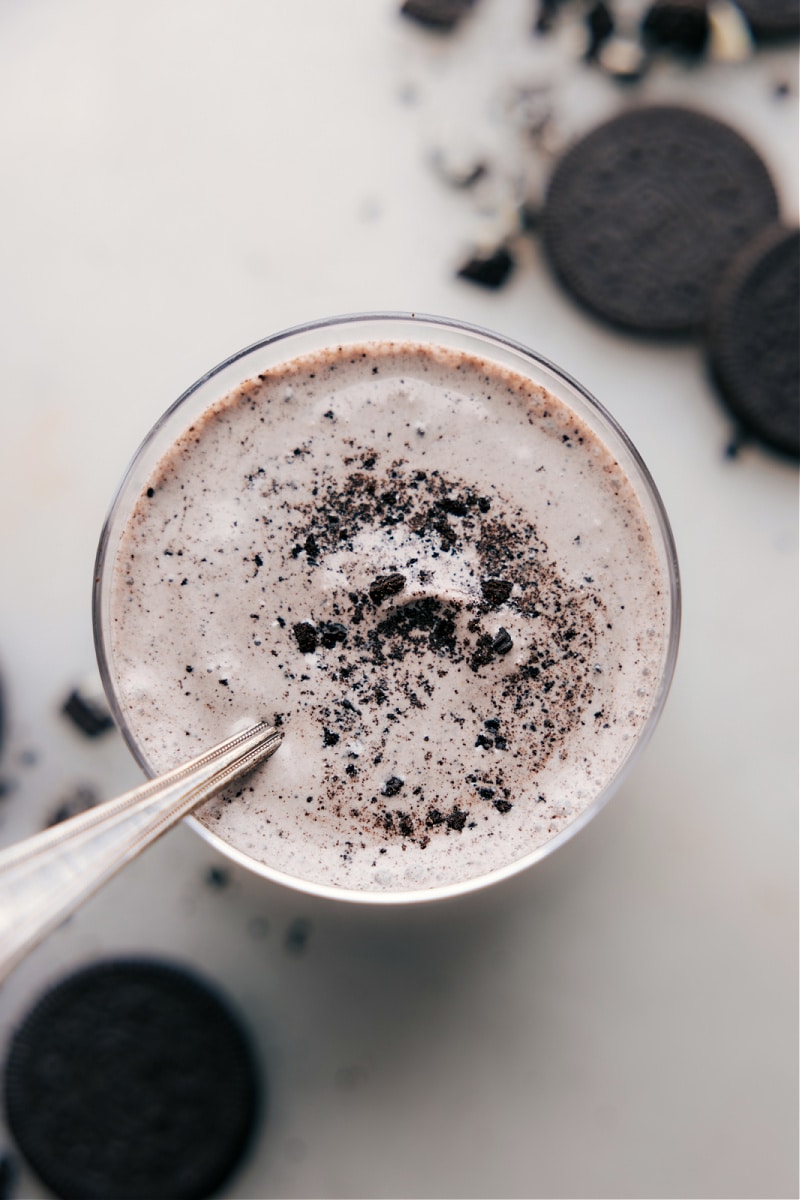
88	711
454	505
405	824
456	819
306	636
392	786
439	15
386	585
331	633
490	270
483	652
502	641
496	591
218	878
600	26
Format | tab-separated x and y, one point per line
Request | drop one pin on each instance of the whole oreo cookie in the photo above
643	215
753	342
131	1080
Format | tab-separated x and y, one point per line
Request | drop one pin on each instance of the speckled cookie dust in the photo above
431	574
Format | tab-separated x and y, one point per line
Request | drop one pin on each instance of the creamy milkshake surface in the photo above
432	574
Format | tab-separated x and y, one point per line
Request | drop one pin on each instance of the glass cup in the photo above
406	328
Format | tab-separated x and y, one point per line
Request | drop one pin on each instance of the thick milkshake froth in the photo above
432	574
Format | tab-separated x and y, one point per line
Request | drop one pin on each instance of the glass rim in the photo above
454	326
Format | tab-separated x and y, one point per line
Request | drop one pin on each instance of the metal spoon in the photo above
46	877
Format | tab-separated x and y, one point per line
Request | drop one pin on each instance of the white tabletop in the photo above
183	177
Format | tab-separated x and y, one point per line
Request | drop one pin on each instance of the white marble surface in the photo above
182	177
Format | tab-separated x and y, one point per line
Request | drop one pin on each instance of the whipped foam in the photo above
432	574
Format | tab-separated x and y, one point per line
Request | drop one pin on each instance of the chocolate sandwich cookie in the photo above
753	338
643	215
131	1079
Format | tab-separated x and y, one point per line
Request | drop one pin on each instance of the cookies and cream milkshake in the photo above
431	572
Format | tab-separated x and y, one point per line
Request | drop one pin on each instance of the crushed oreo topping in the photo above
389	658
86	708
305	636
502	641
496	591
489	270
331	633
384	586
439	15
600	26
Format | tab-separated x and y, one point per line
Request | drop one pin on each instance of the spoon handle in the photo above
45	877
